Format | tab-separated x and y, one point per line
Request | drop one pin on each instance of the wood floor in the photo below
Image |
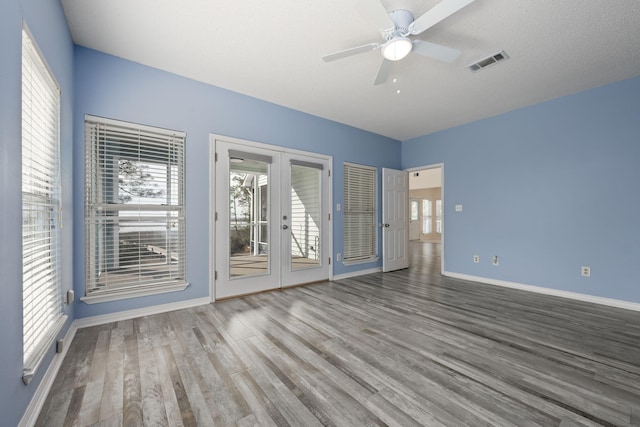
403	348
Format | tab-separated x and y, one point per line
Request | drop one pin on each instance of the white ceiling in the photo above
272	50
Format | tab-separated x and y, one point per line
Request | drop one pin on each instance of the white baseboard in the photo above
40	396
548	291
357	273
139	312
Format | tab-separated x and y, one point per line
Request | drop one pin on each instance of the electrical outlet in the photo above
338	257
476	259
585	271
495	260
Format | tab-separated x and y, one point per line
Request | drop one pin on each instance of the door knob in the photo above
386	225
284	227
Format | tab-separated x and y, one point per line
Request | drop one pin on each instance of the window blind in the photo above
41	293
426	216
359	212
134	207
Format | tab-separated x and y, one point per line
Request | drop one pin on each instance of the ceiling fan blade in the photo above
374	11
383	72
350	52
435	51
439	12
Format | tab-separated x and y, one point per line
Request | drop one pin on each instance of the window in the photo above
438	216
41	290
414	210
359	212
134	210
427	216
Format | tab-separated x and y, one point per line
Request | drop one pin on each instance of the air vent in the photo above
490	60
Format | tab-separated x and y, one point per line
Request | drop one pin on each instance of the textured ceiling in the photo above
272	50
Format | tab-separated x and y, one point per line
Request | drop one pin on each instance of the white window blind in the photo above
41	293
427	218
359	212
414	210
134	207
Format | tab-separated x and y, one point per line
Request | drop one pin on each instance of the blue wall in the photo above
111	87
548	188
47	24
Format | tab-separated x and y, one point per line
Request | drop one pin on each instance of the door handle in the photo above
284	227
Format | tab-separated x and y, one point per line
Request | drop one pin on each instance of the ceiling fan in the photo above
397	26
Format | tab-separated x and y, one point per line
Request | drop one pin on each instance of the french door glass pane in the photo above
248	218
305	217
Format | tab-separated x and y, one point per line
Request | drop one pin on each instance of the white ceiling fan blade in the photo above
383	72
435	51
374	11
350	52
441	11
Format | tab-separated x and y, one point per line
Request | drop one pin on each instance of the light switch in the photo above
338	207
458	208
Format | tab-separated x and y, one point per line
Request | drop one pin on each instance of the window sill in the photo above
134	293
361	261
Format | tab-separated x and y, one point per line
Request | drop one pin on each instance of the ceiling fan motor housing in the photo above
401	19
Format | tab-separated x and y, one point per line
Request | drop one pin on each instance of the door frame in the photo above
442	239
212	198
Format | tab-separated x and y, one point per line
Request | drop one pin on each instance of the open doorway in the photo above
425	193
426	199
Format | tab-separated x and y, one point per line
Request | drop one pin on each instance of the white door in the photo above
272	224
395	232
246	228
305	219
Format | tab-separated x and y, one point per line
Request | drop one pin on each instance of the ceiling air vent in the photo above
489	60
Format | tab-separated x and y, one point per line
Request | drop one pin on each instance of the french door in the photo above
272	224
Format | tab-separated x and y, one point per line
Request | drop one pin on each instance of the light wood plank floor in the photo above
403	348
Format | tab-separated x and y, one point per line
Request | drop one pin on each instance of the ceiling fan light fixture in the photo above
397	48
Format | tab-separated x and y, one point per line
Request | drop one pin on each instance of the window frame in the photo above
43	305
368	252
108	144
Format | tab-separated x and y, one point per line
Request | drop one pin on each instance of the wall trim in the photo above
32	412
139	312
357	273
627	305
